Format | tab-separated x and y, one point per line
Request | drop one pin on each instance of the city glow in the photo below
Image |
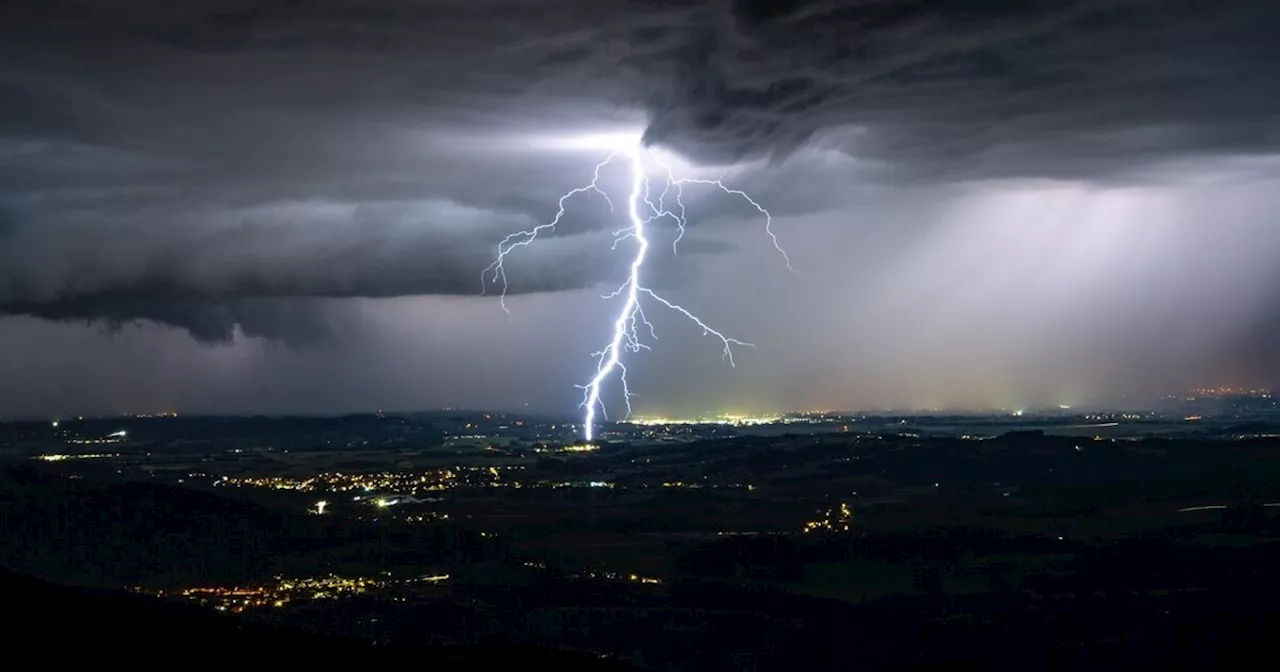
237	599
58	457
833	520
732	420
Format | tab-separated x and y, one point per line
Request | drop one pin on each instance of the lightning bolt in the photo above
642	211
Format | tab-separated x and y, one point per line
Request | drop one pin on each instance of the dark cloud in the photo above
209	163
987	88
266	274
978	85
293	322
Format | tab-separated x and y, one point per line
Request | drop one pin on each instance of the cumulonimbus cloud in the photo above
132	136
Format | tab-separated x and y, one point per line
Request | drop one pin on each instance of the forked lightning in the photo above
641	211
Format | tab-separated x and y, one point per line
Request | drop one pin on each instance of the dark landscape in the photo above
640	335
965	542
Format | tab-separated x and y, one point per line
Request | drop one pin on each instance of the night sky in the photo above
269	206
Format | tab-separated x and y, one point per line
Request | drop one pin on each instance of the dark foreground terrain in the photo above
850	551
61	627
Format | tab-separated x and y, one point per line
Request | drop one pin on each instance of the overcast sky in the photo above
263	206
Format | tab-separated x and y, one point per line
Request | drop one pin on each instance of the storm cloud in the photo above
254	167
979	89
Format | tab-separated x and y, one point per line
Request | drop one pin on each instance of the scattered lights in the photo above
405	488
608	576
1218	392
641	211
428	517
394	481
579	448
279	594
56	457
833	520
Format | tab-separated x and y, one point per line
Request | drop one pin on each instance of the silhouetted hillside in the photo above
115	534
110	534
61	626
1026	551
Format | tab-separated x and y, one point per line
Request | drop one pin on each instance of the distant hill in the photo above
61	627
110	534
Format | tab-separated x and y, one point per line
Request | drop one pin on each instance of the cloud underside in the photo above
278	282
218	163
978	89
